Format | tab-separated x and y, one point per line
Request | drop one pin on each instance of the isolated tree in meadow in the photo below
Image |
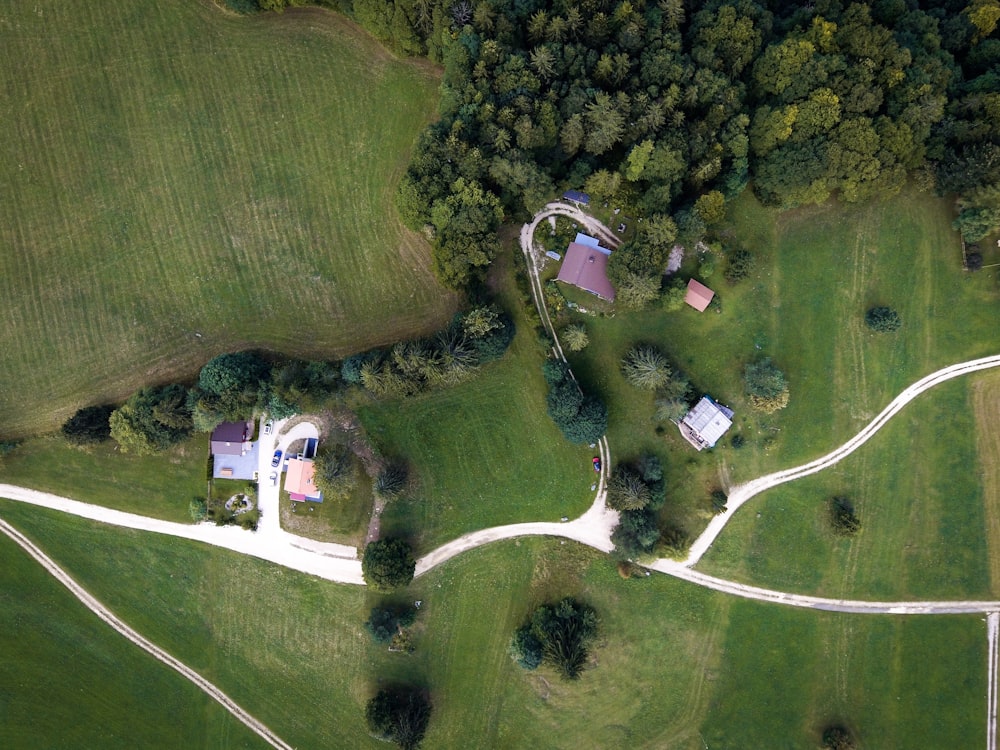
765	385
560	635
89	425
838	738
574	337
646	367
388	564
399	714
391	481
883	319
843	517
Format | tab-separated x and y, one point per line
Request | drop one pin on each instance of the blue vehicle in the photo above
277	458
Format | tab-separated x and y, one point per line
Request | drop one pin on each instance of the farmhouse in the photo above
300	480
698	295
586	267
706	423
232	438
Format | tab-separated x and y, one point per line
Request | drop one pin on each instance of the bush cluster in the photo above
581	418
556	634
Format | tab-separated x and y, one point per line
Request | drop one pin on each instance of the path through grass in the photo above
675	663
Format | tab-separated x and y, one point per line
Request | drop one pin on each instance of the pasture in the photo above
816	272
68	680
180	182
675	666
917	487
480	454
161	485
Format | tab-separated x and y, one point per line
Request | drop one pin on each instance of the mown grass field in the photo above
68	680
816	272
161	485
179	182
676	666
917	488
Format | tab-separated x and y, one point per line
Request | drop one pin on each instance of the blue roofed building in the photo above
706	423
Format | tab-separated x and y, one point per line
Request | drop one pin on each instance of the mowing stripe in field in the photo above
155	651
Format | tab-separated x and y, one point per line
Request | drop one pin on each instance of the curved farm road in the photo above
158	653
741	493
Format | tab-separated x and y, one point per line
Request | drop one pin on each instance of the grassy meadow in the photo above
481	454
816	272
181	182
676	666
917	489
161	485
68	680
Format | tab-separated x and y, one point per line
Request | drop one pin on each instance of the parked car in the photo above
274	478
597	464
268	426
277	458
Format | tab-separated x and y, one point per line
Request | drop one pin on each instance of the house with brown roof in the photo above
300	480
232	438
586	267
698	295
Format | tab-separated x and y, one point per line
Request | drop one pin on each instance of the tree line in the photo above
672	108
236	386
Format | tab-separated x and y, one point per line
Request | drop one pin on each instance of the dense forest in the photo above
672	108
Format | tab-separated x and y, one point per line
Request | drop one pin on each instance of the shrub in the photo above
843	518
766	386
574	337
388	564
838	738
89	425
974	261
198	509
739	264
384	622
719	500
673	296
883	319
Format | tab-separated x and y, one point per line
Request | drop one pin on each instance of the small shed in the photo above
698	295
706	423
575	196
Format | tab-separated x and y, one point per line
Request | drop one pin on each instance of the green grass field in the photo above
161	485
817	271
676	665
181	182
484	453
917	489
68	680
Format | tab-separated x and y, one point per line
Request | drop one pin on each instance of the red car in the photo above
597	464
